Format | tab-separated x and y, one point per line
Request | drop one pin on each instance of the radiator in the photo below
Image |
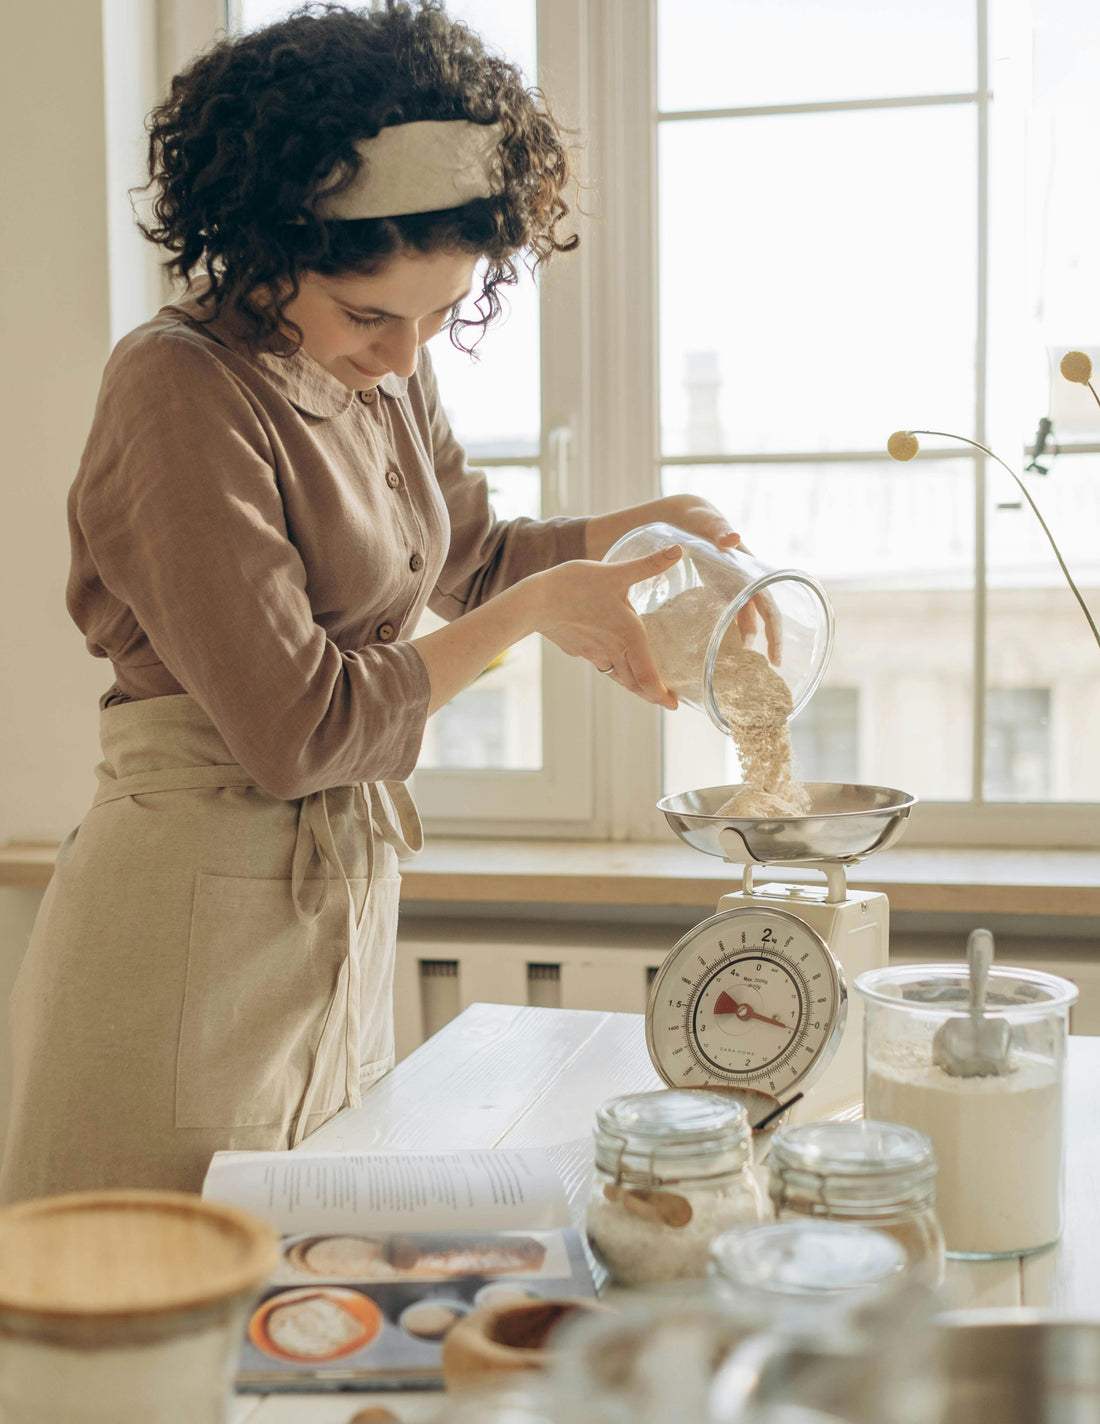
444	966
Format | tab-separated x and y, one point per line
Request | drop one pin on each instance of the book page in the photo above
491	1190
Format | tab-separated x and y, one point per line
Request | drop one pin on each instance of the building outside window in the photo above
825	738
1018	763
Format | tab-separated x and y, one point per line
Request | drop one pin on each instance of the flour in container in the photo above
998	1143
751	695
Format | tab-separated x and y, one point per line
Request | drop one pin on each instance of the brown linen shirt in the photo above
250	531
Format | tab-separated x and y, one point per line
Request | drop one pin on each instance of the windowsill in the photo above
921	880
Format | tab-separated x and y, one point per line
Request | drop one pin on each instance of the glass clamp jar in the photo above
876	1174
840	1298
673	1170
998	1139
716	610
804	1265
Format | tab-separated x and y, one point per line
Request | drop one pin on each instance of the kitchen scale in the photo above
756	996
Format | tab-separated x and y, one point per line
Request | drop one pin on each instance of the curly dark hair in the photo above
254	126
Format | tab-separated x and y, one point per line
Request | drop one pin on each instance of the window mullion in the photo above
622	316
981	630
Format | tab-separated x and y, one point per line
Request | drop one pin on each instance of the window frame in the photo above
977	821
600	350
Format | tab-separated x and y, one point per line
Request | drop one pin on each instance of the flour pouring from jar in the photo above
745	644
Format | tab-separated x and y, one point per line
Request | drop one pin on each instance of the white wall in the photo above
55	310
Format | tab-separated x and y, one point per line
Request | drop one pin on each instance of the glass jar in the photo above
856	1326
876	1174
795	1268
998	1140
716	610
673	1170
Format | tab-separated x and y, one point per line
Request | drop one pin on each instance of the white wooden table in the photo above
504	1076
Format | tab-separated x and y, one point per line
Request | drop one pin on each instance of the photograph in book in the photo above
381	1254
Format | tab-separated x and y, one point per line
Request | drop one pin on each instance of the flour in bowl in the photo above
751	695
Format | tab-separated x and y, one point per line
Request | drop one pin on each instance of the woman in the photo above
269	498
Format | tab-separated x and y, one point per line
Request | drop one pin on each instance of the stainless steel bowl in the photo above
844	824
1021	1367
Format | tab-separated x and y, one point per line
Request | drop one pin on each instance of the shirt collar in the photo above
302	380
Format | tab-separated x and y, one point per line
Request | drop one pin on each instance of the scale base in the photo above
855	926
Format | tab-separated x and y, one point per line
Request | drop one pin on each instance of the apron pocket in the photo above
259	985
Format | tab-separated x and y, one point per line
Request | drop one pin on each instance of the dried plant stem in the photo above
1092	388
947	435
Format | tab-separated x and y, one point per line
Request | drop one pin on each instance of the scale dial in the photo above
751	998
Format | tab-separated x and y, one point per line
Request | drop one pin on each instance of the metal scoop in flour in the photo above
978	1046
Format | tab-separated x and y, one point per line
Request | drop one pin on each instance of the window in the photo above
808	235
837	258
825	736
1017	761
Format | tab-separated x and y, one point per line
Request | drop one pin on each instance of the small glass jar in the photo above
855	1325
998	1139
876	1174
714	607
797	1269
673	1170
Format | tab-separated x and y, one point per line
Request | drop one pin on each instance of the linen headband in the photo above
420	167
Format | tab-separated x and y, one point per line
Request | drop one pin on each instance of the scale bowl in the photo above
845	824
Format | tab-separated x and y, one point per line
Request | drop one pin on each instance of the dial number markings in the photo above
748	998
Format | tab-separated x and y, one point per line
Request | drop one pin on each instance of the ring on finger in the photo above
607	669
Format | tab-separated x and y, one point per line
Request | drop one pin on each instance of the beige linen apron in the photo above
211	967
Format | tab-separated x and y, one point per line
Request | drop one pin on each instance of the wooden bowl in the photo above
506	1339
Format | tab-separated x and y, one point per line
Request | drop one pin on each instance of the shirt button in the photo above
367	397
416	563
393	479
385	633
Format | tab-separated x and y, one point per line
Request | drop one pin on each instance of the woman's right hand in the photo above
583	607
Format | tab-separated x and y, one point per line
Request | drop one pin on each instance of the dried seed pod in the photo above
902	445
1077	367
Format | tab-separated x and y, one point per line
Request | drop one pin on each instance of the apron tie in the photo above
387	811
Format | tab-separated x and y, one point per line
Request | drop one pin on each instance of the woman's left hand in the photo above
685	511
697	516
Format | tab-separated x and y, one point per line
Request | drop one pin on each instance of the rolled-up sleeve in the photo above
180	509
486	554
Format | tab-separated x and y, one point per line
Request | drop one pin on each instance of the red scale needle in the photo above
725	1005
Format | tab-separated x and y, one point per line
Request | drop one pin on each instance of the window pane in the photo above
720	54
893	546
495	724
493	402
492	397
817	278
825	736
1062	208
1017	744
1038	636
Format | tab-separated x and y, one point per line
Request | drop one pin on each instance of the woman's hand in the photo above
697	516
584	609
581	606
686	511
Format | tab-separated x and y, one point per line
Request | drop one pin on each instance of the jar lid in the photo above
941	991
860	1165
672	1134
807	1258
105	1256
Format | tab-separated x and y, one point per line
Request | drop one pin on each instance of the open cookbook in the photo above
382	1253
